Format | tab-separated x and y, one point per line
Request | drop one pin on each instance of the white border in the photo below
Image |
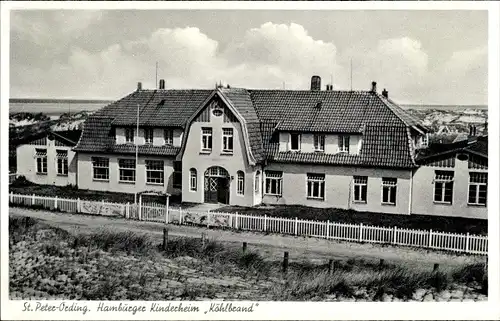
286	310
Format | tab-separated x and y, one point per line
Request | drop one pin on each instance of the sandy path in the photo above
271	246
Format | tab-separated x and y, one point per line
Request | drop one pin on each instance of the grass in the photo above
50	262
423	222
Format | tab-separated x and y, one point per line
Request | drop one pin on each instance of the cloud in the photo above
264	57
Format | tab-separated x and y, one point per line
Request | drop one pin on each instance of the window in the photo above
360	187
127	170
154	172
344	144
424	140
100	168
168	136
273	183
62	162
389	186
319	143
148	135
295	142
206	139
443	187
478	183
193	180
241	183
257	182
227	140
316	186
177	179
129	135
41	161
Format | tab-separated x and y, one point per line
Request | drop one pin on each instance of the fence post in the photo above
285	262
78	209
244	247
166	215
327	229
436	267
394	235
208	219
33	200
361	232
165	238
12	197
180	215
236	220
139	210
265	219
296	222
55	202
430	239
467	243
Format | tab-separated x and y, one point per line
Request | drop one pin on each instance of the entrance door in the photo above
216	185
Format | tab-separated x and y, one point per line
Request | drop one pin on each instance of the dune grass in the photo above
100	269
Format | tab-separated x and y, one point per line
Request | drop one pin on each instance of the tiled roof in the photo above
156	107
386	140
98	136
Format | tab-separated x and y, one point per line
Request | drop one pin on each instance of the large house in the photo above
321	148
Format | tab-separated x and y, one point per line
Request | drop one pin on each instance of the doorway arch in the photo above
217	182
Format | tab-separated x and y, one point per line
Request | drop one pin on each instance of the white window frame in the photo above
128	167
62	162
344	141
360	181
129	133
257	182
389	184
444	178
240	183
481	180
100	163
155	166
193	180
314	180
41	161
299	141
206	139
276	176
168	137
227	140
148	136
319	142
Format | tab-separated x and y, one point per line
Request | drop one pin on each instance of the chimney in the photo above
162	84
385	93
329	87
139	86
316	83
374	87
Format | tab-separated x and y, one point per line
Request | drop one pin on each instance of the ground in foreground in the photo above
48	262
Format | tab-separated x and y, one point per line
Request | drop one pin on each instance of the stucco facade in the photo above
201	160
339	187
27	163
113	184
423	192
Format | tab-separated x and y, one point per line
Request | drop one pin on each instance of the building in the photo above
48	158
322	148
452	179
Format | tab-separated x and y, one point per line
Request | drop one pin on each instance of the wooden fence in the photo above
474	244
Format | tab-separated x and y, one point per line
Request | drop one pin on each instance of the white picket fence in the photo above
468	243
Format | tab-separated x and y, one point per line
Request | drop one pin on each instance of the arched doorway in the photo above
217	185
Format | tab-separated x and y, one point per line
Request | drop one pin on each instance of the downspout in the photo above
350	192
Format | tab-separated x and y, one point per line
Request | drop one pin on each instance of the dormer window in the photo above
168	136
295	142
148	136
129	135
319	143
344	144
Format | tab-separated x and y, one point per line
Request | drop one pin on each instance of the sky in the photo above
420	57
